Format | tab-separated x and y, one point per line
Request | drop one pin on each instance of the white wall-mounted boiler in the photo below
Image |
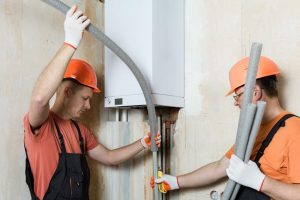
151	32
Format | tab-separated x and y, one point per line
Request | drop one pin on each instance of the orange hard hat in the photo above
82	72
238	73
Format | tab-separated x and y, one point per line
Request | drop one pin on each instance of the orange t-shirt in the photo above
43	149
281	159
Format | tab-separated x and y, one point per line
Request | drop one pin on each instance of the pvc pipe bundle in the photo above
249	120
99	35
255	127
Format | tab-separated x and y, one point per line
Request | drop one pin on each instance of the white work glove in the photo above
170	182
74	25
146	141
247	174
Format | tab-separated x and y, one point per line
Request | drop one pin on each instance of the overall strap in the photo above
80	137
267	141
61	138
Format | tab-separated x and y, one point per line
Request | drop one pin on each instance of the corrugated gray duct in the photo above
99	35
243	136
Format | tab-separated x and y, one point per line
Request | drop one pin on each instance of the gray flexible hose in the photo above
99	35
247	99
261	105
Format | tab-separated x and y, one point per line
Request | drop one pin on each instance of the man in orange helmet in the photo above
273	173
55	143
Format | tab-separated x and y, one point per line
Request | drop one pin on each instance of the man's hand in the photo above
146	141
170	182
247	174
74	25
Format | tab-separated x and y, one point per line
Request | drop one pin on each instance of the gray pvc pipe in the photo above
249	88
251	110
248	95
261	105
99	35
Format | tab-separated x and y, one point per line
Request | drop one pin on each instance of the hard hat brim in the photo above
96	90
229	93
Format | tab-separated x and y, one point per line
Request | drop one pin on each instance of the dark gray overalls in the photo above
71	177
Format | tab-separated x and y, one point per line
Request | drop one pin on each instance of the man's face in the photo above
238	96
239	93
78	101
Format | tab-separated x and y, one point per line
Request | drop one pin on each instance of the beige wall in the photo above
218	33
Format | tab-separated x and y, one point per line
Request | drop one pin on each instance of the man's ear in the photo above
67	91
257	93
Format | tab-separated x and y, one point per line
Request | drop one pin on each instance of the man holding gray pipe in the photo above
56	142
274	169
